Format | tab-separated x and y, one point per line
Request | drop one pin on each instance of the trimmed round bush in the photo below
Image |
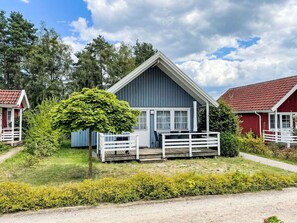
229	145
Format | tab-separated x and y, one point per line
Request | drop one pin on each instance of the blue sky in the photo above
220	44
56	13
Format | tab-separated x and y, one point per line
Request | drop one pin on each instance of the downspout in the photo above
260	123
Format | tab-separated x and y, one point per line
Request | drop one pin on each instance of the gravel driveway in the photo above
248	207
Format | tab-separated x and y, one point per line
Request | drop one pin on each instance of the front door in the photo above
143	128
286	127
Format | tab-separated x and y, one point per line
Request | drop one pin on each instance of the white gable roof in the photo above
168	67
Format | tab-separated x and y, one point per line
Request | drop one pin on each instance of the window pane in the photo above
141	121
286	121
163	120
272	121
181	120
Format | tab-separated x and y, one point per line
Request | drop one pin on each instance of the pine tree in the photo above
19	40
47	66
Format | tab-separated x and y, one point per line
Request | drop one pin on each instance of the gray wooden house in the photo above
168	99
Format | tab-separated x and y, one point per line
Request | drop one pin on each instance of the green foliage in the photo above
251	144
221	119
41	139
4	147
19	196
143	51
47	64
19	36
95	109
257	145
272	219
229	144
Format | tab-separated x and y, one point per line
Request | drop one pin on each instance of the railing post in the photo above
137	147
190	145
163	146
102	149
219	144
97	148
12	126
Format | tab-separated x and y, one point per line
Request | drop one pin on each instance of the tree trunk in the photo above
90	152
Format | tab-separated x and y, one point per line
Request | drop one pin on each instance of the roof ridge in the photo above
262	82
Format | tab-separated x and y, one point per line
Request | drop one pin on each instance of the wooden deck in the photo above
155	154
14	144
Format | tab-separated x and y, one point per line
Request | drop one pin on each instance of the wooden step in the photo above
154	160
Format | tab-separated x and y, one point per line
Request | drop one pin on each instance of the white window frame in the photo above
9	120
146	119
280	121
170	120
172	110
181	123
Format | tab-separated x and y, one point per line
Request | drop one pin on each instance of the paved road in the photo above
9	154
243	208
269	162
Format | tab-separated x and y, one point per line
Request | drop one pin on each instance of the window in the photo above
163	120
283	121
142	121
181	120
9	124
286	121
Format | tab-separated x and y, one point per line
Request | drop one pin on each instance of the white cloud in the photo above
25	1
189	32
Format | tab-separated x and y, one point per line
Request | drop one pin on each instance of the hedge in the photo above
21	197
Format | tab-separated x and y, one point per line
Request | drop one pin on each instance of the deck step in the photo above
155	160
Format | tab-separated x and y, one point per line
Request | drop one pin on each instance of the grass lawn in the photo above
71	165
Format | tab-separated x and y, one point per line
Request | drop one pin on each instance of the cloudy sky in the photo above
219	43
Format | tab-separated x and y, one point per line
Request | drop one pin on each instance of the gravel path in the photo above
9	154
269	162
243	208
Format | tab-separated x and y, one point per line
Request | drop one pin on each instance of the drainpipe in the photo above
260	123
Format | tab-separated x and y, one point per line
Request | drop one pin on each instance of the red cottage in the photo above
268	108
12	104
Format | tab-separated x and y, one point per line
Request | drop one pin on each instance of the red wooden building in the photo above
267	108
12	104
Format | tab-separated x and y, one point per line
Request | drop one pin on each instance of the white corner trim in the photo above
178	73
280	102
23	96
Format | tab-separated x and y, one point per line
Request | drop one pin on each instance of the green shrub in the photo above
41	139
251	144
21	197
221	119
272	219
229	145
4	147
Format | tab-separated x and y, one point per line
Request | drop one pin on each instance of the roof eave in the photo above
252	111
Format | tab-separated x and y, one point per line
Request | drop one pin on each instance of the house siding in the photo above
250	122
289	105
153	89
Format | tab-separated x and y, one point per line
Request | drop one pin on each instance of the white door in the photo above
286	127
143	128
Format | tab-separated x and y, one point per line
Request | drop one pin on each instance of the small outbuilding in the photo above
268	109
12	105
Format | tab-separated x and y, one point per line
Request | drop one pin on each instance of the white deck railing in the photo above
280	136
192	141
7	134
117	142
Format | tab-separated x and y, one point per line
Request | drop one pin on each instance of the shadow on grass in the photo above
55	174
